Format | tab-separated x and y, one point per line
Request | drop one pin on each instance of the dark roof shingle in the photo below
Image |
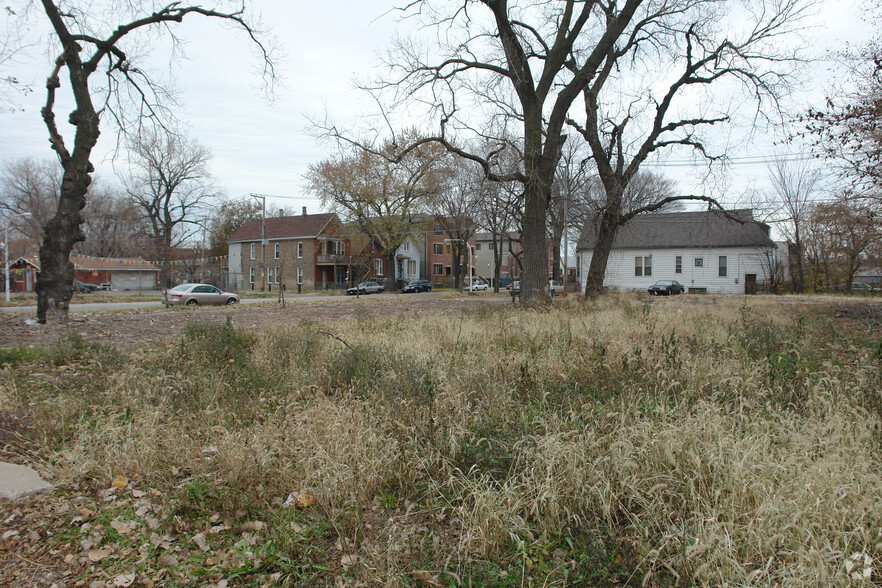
685	229
284	227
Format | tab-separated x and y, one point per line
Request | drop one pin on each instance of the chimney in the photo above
304	211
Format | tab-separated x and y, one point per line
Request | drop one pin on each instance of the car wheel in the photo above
192	302
231	301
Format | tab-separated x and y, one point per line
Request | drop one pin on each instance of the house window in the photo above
724	269
378	267
643	266
437	230
299	275
678	264
447	270
276	251
277	275
477	247
251	275
647	266
405	246
299	249
447	248
254	251
411	267
437	269
699	262
438	248
638	266
491	245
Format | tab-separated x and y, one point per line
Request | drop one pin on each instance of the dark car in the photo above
858	288
417	286
365	288
666	288
85	288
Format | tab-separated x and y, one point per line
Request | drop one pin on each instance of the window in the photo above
276	251
699	262
678	264
299	250
251	275
378	267
491	245
638	266
647	266
437	230
724	269
254	251
437	269
438	248
299	275
643	266
277	275
447	270
477	247
447	248
405	246
411	267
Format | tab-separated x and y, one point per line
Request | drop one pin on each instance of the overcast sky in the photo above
261	147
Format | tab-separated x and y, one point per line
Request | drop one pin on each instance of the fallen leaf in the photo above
199	539
250	527
427	578
349	560
124	580
98	554
120	482
138	493
168	560
121	527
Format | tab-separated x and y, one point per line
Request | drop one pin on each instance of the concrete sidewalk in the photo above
17	481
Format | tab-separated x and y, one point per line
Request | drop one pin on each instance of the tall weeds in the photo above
681	442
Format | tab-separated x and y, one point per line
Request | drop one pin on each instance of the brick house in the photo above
310	251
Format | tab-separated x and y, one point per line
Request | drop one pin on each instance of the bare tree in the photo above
848	230
171	184
456	210
124	93
526	63
113	224
794	186
385	199
30	187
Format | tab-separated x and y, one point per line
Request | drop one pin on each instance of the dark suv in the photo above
417	286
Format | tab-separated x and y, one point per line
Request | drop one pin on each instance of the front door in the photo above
750	283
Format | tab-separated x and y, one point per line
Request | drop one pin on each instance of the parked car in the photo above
554	287
476	286
365	288
85	288
858	288
195	294
417	286
666	288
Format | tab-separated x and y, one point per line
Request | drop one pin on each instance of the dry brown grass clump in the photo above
692	441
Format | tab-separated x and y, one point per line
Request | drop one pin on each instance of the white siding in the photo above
408	251
740	262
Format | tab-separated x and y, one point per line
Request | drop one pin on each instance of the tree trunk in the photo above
606	233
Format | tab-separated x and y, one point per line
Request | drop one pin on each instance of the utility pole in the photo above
263	279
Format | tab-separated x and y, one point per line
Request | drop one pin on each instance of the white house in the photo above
409	260
707	252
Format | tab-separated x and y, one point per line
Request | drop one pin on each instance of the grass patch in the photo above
622	441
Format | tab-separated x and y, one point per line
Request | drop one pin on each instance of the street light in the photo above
6	248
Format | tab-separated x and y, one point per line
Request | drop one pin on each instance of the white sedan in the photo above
195	294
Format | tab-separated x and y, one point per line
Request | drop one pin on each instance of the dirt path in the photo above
124	328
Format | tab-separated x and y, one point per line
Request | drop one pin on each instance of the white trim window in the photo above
300	275
643	265
299	249
254	251
278	273
378	267
276	248
724	267
411	267
251	275
699	262
678	264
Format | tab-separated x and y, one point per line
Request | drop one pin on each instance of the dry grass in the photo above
694	441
